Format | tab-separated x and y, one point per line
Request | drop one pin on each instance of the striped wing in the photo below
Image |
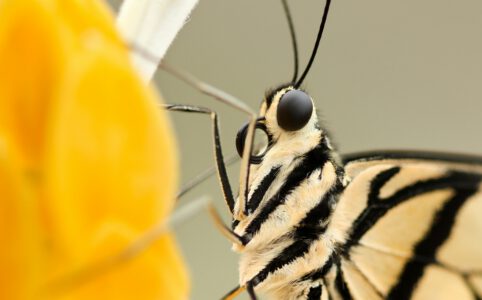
410	226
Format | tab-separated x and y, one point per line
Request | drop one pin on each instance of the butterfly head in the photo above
288	110
289	122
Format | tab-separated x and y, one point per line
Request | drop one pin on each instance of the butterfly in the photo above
312	224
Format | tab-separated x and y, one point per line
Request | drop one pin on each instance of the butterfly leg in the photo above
227	232
233	293
201	177
221	167
208	89
238	290
228	99
250	289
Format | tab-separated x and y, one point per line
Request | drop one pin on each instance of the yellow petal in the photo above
20	253
111	160
91	162
154	274
84	16
31	58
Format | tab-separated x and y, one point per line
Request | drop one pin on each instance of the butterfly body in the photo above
317	227
312	224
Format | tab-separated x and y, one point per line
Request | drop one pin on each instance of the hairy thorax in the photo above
288	243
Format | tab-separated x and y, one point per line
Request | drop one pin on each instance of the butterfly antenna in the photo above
317	43
293	39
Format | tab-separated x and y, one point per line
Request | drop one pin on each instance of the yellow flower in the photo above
87	160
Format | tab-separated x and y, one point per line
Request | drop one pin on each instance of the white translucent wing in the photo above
152	25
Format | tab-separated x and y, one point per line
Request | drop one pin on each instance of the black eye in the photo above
261	142
294	110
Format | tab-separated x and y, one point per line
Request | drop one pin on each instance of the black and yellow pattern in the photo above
388	225
312	224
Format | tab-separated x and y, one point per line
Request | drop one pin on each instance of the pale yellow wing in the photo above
411	227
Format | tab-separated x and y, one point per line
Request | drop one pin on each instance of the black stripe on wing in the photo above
463	184
373	212
427	247
341	285
418	155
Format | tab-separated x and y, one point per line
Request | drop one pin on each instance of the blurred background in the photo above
388	75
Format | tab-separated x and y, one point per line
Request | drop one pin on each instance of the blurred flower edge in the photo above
87	160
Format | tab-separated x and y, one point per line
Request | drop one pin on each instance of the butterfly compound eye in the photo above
240	139
294	110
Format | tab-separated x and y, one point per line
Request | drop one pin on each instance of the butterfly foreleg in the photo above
218	152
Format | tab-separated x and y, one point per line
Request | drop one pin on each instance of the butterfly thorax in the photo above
292	192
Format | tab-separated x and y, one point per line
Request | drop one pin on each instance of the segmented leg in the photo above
218	152
233	293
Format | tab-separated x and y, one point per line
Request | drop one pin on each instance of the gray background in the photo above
389	75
